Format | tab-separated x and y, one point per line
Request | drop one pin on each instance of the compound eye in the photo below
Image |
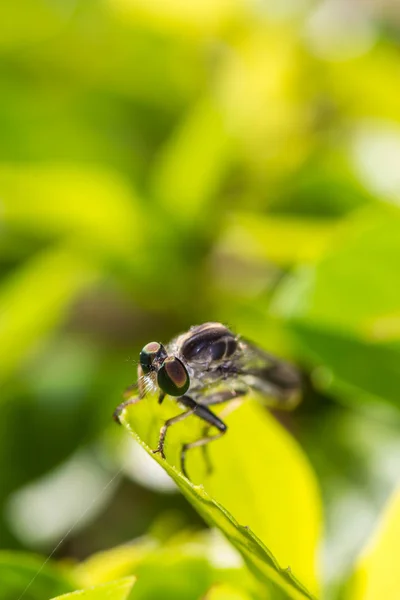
172	377
148	354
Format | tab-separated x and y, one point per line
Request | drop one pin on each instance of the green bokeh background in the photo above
163	164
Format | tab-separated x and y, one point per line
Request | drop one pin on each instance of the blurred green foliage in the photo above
163	164
118	590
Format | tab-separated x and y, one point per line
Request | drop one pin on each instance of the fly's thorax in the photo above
207	344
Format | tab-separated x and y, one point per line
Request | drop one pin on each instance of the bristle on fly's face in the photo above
147	384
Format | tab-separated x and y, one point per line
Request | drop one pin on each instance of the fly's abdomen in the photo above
208	342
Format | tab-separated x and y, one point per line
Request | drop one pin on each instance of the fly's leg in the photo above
206	454
193	409
167	424
121	407
201	442
135	387
207	415
131	388
219	398
200	410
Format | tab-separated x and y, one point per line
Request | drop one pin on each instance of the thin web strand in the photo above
78	520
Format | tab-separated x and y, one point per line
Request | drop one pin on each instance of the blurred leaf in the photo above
97	65
114	563
34	300
34	118
261	99
117	590
197	17
341	308
225	592
180	568
172	576
350	365
18	571
31	21
94	207
284	240
327	174
354	283
192	164
377	572
293	523
372	77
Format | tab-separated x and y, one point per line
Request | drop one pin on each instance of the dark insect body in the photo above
210	365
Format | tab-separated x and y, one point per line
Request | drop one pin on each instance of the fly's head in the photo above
156	368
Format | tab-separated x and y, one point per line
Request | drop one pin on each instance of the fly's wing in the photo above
268	375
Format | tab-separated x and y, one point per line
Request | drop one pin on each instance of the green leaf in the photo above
171	571
94	207
345	309
114	563
181	567
175	576
28	575
282	239
370	76
252	490
171	16
115	590
30	22
358	369
192	165
226	592
353	286
377	573
35	299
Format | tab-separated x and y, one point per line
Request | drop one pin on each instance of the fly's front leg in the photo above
135	387
128	402
167	424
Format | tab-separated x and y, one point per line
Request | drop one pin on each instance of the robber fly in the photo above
205	366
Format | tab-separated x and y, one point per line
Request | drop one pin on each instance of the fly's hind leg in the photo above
219	398
201	442
207	415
